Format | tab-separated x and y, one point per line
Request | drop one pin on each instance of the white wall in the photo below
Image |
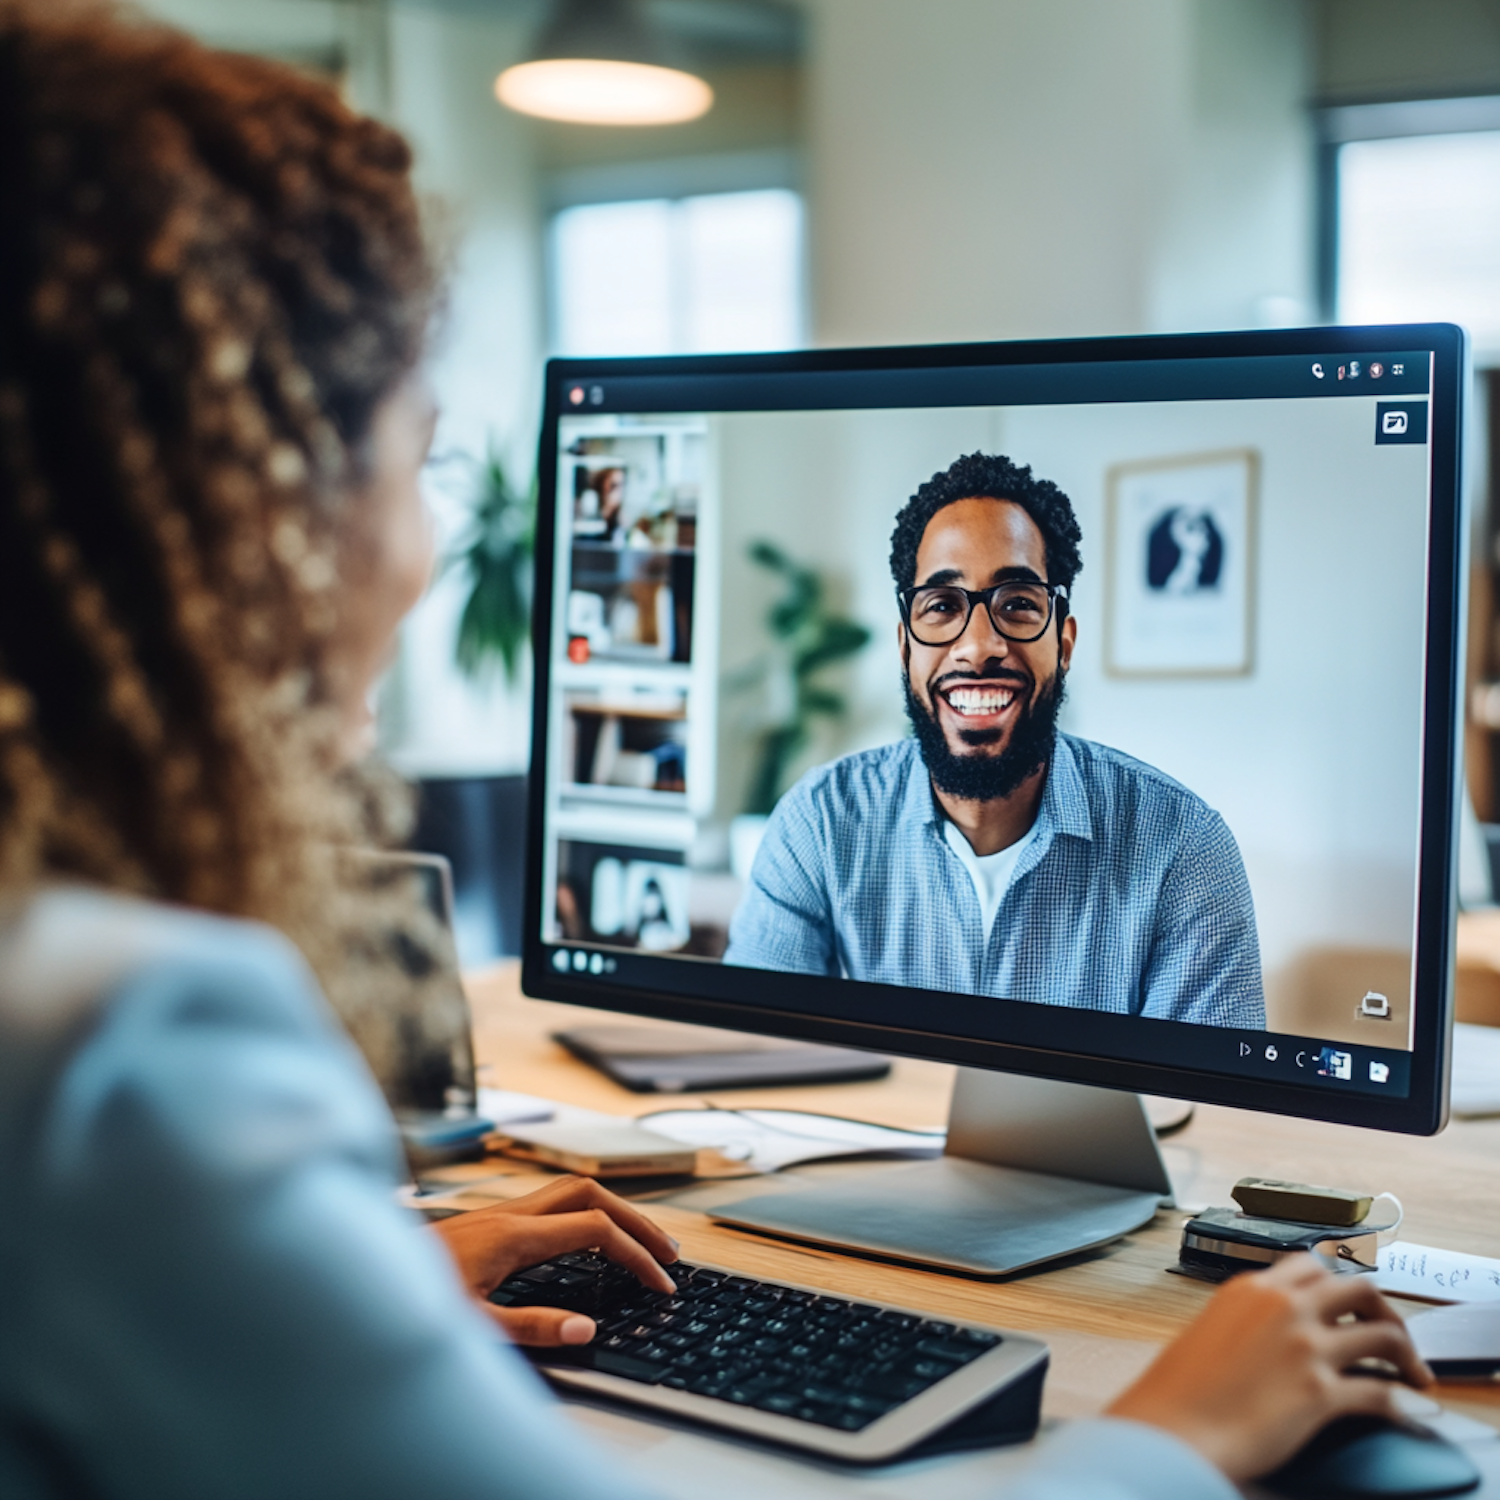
475	163
1024	168
430	71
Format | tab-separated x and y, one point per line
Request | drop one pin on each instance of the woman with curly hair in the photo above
213	302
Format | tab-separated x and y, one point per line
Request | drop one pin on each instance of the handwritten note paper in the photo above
1438	1275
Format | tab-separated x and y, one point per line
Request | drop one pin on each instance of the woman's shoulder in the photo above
145	1042
79	963
65	946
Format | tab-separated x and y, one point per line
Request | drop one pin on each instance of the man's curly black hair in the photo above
994	476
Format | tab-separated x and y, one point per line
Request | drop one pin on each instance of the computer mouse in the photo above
1372	1458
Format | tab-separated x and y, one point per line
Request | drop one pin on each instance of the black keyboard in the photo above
763	1347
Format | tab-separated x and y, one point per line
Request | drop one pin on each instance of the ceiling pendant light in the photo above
600	62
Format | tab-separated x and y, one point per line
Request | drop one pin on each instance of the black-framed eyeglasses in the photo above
938	614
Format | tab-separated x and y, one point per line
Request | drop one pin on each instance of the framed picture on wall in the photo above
1180	579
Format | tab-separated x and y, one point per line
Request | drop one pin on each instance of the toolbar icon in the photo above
1318	372
1376	370
1335	1064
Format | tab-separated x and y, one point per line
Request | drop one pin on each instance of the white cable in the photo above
1400	1214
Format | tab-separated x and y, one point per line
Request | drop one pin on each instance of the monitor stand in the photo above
1033	1170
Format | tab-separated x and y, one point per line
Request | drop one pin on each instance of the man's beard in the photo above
977	777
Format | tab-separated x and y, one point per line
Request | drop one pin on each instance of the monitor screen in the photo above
1084	709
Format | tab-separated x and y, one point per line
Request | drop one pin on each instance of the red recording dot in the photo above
578	649
575	395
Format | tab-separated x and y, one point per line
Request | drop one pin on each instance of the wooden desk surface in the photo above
1104	1314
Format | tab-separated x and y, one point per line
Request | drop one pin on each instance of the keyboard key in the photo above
823	1395
824	1416
895	1388
783	1403
630	1367
960	1350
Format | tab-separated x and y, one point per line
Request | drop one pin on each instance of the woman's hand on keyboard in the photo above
574	1213
1268	1364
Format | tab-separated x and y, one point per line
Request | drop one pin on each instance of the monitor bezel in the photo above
1424	1109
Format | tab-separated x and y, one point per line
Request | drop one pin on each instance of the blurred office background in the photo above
896	171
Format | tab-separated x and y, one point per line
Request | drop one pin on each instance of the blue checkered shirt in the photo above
1131	898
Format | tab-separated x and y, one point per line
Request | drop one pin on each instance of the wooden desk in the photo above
1104	1315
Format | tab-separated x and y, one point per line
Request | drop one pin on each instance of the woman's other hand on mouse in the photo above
491	1244
1266	1366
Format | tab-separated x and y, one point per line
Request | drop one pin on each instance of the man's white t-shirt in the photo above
991	873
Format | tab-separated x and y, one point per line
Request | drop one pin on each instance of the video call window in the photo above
1212	636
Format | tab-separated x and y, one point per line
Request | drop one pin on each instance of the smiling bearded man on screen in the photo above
992	854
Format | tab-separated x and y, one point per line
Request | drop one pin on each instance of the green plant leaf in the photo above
824	701
836	639
498	555
817	639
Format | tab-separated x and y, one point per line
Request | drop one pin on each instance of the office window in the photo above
1419	231
699	275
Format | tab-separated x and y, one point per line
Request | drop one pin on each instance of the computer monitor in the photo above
1081	710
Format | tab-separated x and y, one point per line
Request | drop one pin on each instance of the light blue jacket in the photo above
207	1291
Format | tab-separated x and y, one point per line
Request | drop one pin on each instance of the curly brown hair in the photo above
212	272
